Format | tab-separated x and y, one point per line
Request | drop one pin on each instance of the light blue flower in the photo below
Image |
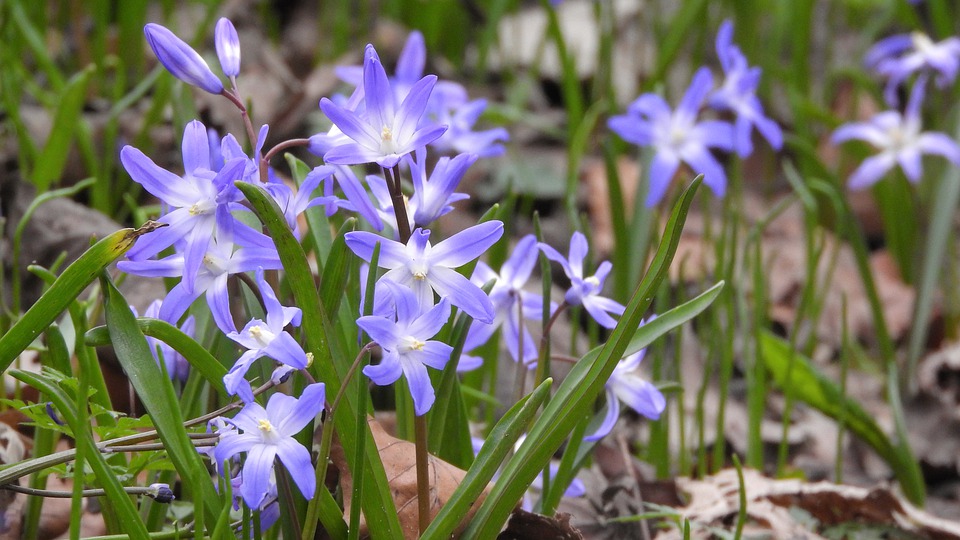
900	56
900	141
677	137
585	291
268	433
407	347
180	59
228	47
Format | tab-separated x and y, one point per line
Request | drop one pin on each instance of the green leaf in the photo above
200	358
53	157
329	365
789	367
68	286
579	390
336	272
498	444
159	399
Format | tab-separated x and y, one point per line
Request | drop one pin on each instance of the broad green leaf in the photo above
329	366
158	397
67	287
200	358
498	444
579	390
339	265
809	385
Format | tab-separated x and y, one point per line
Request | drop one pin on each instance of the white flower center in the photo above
214	264
387	144
922	43
263	335
265	425
411	343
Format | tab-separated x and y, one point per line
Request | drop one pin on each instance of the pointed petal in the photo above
609	420
463	294
386	372
408	116
351	124
466	245
296	459
412	59
256	473
382	330
158	181
662	170
421	389
292	415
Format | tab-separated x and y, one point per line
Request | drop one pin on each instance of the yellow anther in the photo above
416	344
592	280
265	425
419	276
309	359
256	331
386	134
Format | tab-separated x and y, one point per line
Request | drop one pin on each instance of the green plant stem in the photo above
55	494
545	343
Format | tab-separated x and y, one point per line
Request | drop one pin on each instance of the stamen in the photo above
265	425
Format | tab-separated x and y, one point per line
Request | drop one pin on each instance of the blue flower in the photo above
900	141
510	302
265	338
897	57
220	259
626	385
180	59
677	137
228	47
426	268
433	196
585	291
738	94
386	131
265	434
406	344
192	200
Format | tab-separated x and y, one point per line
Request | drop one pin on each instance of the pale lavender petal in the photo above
517	269
233	443
286	350
291	415
641	396
467	244
556	257
939	144
159	182
378	96
393	254
412	59
194	147
176	303
351	124
219	301
228	47
702	161
352	153
296	459
859	130
412	107
578	252
430	322
463	294
597	307
434	354
180	59
382	330
256	473
421	389
387	371
662	169
609	420
872	169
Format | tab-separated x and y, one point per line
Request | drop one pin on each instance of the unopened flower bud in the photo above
161	493
180	59
228	47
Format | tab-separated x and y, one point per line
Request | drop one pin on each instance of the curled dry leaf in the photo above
525	525
772	505
399	461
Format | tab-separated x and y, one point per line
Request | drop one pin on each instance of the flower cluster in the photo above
682	136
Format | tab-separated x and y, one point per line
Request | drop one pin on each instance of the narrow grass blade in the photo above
339	265
52	159
67	287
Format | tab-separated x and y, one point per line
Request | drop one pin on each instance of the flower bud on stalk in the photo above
181	60
228	47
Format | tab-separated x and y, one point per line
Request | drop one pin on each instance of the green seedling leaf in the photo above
159	399
336	272
67	287
809	385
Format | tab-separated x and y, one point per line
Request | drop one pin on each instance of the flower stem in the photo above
292	143
234	98
423	478
399	205
545	343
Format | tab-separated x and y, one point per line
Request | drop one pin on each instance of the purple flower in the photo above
585	290
385	132
677	136
460	136
897	57
192	199
739	95
626	385
180	59
432	197
406	344
426	268
178	368
219	260
228	47
510	302
265	338
268	433
899	140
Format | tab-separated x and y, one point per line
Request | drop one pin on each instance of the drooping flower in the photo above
677	137
192	199
180	59
221	258
178	368
900	141
265	338
407	347
626	385
385	132
738	94
266	433
511	303
426	268
585	290
228	47
898	57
